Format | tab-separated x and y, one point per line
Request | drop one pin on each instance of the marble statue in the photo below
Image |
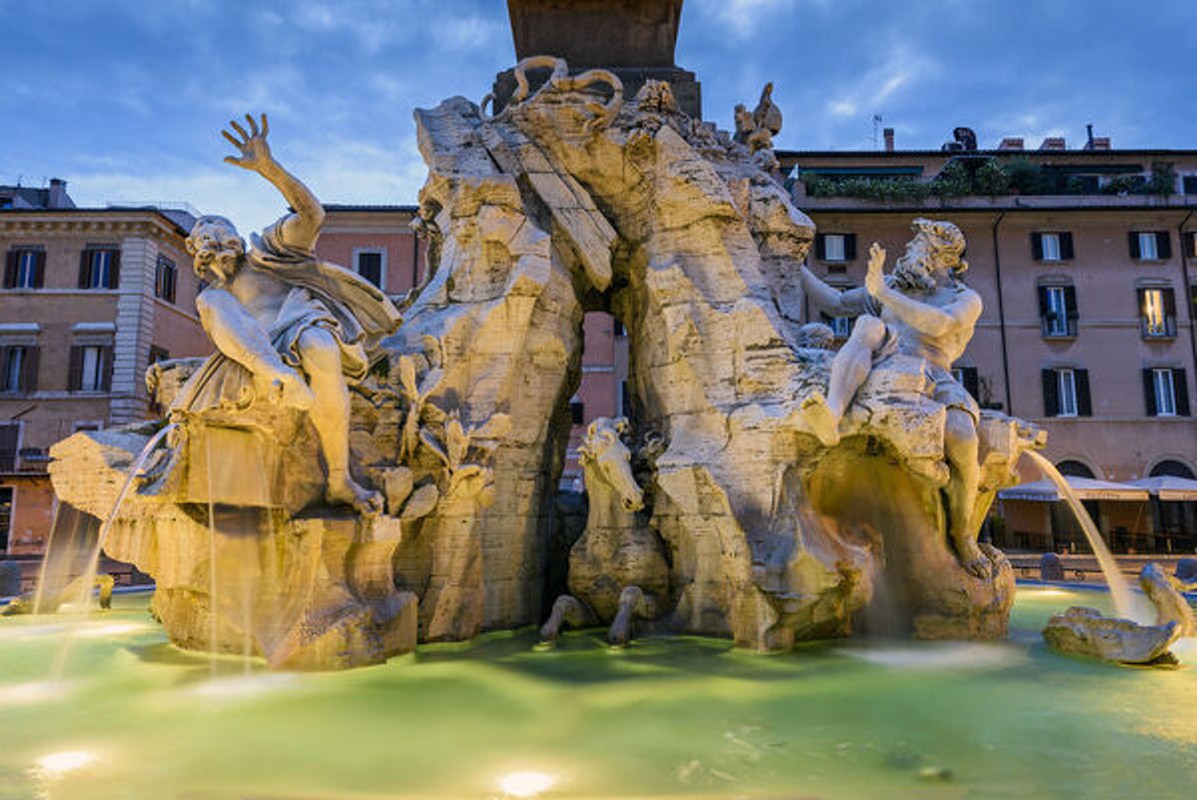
921	309
618	569
756	129
286	325
786	481
1170	604
1084	632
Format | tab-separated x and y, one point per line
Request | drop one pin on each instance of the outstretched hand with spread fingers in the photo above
255	153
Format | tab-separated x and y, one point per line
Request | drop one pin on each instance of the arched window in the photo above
1173	468
1075	469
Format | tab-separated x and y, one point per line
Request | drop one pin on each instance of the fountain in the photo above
341	490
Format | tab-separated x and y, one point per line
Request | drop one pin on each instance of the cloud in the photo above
900	68
742	18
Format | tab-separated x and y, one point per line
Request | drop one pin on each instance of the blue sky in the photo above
125	98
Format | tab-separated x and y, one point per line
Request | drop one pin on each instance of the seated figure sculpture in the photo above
289	329
921	309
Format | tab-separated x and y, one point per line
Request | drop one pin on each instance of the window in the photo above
1166	392
1191	242
1066	393
1189	182
577	411
1157	312
10	442
835	246
1150	245
165	278
99	268
90	368
6	496
1052	246
1074	469
1170	467
840	326
158	354
25	268
1058	310
969	379
18	369
370	265
618	329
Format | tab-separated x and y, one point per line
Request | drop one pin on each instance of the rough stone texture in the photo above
293	590
570	200
1085	632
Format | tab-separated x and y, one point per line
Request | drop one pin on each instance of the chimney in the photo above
1053	143
1011	143
1089	136
888	133
57	196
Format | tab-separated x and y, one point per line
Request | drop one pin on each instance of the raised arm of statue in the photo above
923	317
301	229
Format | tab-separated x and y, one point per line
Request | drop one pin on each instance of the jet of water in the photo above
1120	588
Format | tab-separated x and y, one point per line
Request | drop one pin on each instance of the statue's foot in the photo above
974	561
820	420
343	489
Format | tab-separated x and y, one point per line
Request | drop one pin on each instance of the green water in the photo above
668	717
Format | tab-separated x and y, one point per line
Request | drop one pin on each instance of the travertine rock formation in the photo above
569	200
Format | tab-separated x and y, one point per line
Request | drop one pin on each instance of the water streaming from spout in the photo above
1120	588
88	578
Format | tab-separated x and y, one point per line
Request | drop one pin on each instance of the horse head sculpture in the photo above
607	463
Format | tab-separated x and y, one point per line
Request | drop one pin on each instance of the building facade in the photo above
89	298
1084	261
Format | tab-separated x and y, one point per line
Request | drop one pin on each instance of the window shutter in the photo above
1132	239
1149	391
1051	393
114	274
84	268
29	370
850	247
106	380
820	247
75	370
1170	311
1180	385
1163	245
1066	251
1071	309
39	270
5	354
971	382
1037	246
1191	238
10	270
1084	402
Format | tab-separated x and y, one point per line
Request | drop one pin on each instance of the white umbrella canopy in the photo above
1168	487
1084	488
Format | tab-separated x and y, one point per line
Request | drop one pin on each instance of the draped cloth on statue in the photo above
324	295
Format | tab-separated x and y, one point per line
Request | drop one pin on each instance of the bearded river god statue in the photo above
786	480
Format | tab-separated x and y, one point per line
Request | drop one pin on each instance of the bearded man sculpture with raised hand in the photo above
922	309
289	328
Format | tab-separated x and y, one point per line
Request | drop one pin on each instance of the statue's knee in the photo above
319	349
869	331
960	432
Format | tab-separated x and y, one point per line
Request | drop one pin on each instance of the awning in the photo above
1045	491
1169	487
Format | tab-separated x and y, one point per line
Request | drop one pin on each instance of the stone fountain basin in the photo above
137	718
